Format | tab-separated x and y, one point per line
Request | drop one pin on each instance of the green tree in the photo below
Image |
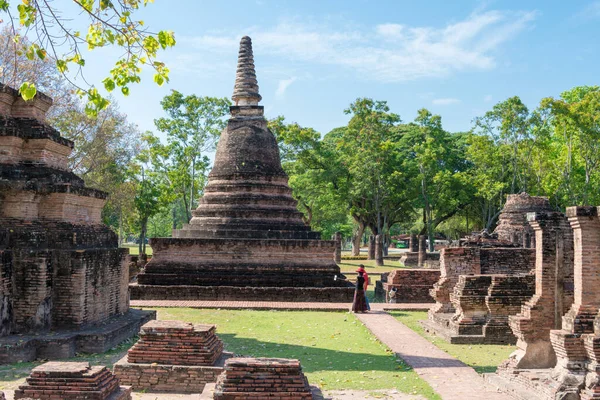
110	23
435	162
192	127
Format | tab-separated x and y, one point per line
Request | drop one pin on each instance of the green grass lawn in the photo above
349	266
134	250
483	358
336	351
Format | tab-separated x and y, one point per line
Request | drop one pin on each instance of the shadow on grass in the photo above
314	359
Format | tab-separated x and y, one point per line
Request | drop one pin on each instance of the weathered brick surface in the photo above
233	293
413	285
176	343
166	378
72	381
247	231
262	378
512	222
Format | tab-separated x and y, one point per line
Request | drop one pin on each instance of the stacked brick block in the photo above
247	232
412	285
60	267
72	381
262	378
176	343
172	356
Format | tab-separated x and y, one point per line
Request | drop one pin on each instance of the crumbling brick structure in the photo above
60	267
269	378
412	285
246	232
418	256
72	381
497	280
173	356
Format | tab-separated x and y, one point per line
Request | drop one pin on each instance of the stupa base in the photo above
233	293
63	344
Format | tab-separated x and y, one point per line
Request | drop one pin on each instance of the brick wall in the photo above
413	285
166	378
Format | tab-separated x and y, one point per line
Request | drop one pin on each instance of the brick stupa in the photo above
63	277
246	240
72	381
262	378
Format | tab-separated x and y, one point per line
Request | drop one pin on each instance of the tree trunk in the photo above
357	239
379	250
143	230
371	253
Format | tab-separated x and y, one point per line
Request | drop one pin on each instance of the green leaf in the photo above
41	53
166	39
159	79
27	91
4	5
125	90
61	65
109	84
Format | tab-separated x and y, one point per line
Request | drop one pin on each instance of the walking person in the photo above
359	305
361	268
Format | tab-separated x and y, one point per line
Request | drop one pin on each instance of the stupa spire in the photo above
245	91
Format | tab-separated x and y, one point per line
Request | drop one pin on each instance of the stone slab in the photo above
451	337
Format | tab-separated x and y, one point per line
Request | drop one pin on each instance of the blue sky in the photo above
313	58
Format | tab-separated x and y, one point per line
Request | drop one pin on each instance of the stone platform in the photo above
72	381
262	378
526	384
66	344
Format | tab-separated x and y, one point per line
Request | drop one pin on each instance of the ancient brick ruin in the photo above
265	378
72	381
418	256
173	356
412	285
559	359
488	278
61	269
246	240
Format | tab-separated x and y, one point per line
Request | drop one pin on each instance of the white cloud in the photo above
488	98
387	52
283	85
445	101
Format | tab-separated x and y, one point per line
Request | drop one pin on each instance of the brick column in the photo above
371	253
468	298
422	250
337	255
543	312
413	244
379	250
568	343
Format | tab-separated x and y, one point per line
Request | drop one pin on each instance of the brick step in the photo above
267	233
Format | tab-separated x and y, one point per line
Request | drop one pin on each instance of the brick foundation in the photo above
300	294
72	381
173	356
413	285
268	378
